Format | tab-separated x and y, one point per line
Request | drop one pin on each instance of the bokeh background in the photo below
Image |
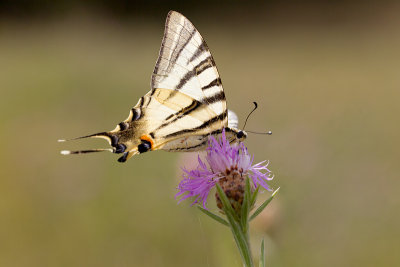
325	75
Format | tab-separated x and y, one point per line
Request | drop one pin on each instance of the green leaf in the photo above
254	196
245	210
214	216
262	256
263	205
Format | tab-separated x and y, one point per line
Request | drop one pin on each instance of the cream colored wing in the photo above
170	115
186	65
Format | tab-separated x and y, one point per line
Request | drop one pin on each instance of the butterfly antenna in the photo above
69	152
268	133
255	107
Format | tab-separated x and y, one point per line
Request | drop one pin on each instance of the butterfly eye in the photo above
240	135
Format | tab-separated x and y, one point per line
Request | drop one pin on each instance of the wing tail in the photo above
104	135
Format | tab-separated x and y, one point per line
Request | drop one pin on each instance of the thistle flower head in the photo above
227	165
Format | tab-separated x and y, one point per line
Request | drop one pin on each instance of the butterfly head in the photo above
235	135
241	135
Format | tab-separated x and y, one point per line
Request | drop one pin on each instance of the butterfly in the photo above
186	103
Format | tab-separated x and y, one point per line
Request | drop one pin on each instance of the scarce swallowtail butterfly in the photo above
185	105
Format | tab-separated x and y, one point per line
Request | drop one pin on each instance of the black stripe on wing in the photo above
206	124
195	105
174	58
190	147
200	49
215	82
216	132
203	65
199	68
189	75
181	113
215	98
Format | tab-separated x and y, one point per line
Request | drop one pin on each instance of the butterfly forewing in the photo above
185	64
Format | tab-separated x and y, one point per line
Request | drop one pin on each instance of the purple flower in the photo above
222	159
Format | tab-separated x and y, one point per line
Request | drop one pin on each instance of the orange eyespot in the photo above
147	138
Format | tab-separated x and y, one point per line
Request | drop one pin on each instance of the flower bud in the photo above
233	184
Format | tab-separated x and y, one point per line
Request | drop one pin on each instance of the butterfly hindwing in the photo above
167	116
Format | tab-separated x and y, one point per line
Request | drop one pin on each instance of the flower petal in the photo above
221	157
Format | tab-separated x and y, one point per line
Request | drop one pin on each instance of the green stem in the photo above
240	233
242	242
248	245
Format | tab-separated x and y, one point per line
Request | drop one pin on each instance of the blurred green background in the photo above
325	75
